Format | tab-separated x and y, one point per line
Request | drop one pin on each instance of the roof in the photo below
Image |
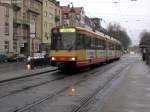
77	10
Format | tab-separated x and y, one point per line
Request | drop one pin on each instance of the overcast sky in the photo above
132	15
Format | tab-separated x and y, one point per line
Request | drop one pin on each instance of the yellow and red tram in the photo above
73	47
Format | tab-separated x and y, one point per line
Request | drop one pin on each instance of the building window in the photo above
51	15
15	45
6	45
46	35
46	3
45	13
7	11
45	24
6	28
24	3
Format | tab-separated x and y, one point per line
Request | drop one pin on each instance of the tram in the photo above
75	47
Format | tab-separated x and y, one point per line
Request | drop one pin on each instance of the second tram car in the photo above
74	47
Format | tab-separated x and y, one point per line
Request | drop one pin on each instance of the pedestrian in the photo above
148	56
144	54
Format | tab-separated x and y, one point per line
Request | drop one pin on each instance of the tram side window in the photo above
115	46
103	44
80	41
99	44
112	47
96	43
93	43
119	47
109	46
87	41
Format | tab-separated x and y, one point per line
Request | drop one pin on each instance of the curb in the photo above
28	75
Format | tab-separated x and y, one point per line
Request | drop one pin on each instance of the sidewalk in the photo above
133	94
24	73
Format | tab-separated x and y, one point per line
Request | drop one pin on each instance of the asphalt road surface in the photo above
50	92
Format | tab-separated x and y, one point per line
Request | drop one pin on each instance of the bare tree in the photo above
120	34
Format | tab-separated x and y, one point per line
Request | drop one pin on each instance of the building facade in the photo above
52	17
27	25
97	23
6	29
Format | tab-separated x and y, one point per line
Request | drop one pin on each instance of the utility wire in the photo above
123	17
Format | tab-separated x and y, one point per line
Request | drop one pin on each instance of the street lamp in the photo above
138	20
71	4
115	2
133	0
72	8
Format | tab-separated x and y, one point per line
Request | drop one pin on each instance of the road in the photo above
50	92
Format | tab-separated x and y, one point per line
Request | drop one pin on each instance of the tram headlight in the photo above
53	58
73	59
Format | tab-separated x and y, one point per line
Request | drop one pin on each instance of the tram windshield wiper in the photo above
70	48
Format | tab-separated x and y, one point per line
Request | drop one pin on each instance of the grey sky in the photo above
132	15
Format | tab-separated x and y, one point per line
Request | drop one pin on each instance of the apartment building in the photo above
6	29
31	24
52	17
73	16
27	25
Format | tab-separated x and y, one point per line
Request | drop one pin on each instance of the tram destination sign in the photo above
67	30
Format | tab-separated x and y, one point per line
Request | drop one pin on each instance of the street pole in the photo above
33	36
32	59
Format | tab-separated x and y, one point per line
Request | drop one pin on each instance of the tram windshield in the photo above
63	41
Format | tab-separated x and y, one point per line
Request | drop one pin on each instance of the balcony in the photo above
40	1
17	21
16	6
34	9
15	36
20	35
21	21
25	22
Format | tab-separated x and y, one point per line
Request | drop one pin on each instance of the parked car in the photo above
16	58
12	58
39	59
3	58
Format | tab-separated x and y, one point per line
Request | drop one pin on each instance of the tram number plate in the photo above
62	58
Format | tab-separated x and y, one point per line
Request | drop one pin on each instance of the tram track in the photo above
51	96
88	99
28	87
